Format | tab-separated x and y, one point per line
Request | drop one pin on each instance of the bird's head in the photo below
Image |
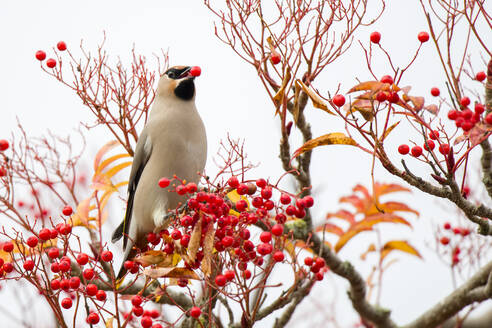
177	82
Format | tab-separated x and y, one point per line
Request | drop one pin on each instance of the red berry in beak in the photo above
195	71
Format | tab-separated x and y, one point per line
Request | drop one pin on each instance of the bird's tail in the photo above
130	253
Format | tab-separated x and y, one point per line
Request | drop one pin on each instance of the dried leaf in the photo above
433	109
160	258
365	107
388	131
317	101
194	243
336	138
208	246
281	92
373	86
109	322
399	245
178	273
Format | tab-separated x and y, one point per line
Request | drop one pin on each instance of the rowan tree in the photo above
244	249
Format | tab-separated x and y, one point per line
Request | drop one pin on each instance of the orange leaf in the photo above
194	243
348	235
336	138
108	161
390	207
331	228
342	214
386	188
399	245
107	147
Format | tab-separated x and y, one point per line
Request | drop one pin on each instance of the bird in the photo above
173	142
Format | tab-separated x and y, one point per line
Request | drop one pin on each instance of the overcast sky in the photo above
230	100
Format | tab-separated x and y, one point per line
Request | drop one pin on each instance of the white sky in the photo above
229	99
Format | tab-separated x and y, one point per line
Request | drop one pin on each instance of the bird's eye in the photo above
172	75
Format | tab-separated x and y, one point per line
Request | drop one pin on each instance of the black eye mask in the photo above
177	73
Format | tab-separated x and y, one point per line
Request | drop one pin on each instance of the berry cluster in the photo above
453	239
51	62
317	266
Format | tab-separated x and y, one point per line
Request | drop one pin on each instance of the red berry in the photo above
381	96
227	241
277	230
265	236
416	151
65	229
66	303
93	318
62	46
220	280
241	205
176	234
480	76
53	253
8	267
447	226
65	284
182	282
488	118
28	265
465	101
137	300
453	114
55	267
435	92
40	55
319	276
4	145
137	311
429	145
195	71
154	314
128	265
434	134
151	237
278	256
479	108
393	98
185	240
146	321
423	37
3	171
467	125
82	259
242	189
339	100
157	325
55	284
8	247
91	289
195	312
233	182
308	201
44	234
275	58
191	187
106	256
32	241
101	295
444	149
51	63
164	182
375	37
64	266
266	193
74	282
261	183
264	248
246	274
285	199
467	114
88	274
403	149
387	79
444	240
229	274
67	210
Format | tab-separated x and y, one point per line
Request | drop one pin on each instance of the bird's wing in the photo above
142	155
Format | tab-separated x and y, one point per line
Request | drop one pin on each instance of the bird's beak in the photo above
186	73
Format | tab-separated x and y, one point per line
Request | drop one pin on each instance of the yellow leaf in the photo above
108	161
107	147
185	273
109	322
233	196
82	212
194	243
399	245
208	246
336	138
115	169
317	101
388	131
